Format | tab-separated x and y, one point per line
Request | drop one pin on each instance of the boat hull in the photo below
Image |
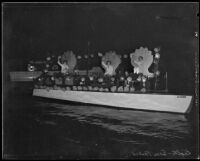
152	102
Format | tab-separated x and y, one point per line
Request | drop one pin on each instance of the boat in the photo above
138	101
147	99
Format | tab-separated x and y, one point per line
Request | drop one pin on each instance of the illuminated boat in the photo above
138	101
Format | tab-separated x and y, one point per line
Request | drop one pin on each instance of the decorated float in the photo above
138	90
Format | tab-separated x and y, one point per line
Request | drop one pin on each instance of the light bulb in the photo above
157	73
157	55
144	79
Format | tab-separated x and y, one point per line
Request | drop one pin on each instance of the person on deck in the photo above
64	66
109	70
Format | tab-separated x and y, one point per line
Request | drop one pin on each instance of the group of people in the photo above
112	80
124	82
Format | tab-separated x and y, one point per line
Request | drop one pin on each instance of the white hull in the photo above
153	102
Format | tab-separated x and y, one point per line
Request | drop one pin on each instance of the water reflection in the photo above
49	128
154	124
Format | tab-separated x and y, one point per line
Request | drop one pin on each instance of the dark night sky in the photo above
32	30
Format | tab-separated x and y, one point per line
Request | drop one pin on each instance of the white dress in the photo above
64	68
109	70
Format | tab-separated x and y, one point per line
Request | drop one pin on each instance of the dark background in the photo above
33	30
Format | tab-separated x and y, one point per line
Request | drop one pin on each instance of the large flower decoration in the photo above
142	59
71	59
113	58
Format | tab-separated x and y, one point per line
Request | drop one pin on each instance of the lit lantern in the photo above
100	54
79	57
91	78
129	79
125	56
47	65
82	79
52	78
139	79
31	68
157	56
157	49
112	79
45	71
144	79
85	56
100	80
91	55
157	72
48	58
121	78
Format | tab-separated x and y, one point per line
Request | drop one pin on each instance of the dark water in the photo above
37	128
